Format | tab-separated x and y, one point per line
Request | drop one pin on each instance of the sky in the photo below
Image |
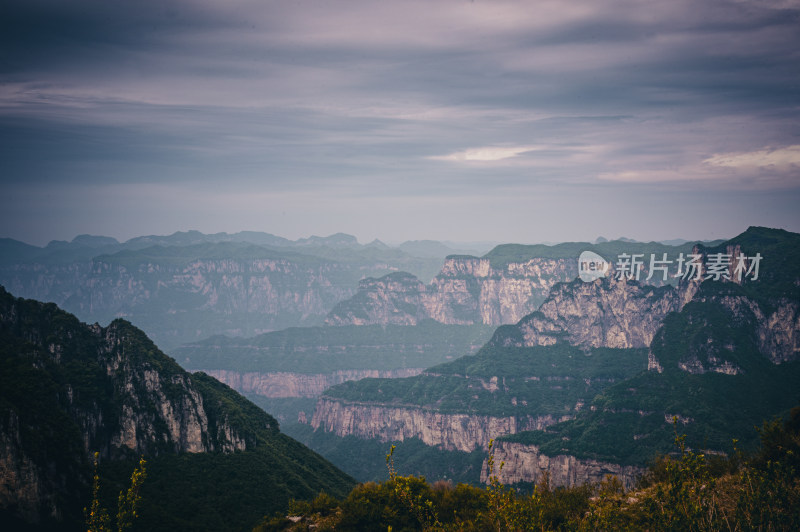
399	120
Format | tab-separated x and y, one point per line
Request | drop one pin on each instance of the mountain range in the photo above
190	286
353	349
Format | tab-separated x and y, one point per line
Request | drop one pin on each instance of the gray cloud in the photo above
368	102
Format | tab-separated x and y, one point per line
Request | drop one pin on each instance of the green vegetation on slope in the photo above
63	383
499	381
314	350
504	254
690	491
226	491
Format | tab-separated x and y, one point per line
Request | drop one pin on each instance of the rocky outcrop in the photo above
467	290
285	384
779	332
449	431
622	313
158	408
607	312
524	463
775	334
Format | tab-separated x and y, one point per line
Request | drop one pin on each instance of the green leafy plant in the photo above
408	491
97	517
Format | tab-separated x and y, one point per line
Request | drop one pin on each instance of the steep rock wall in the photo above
603	313
158	410
285	384
524	463
450	431
467	290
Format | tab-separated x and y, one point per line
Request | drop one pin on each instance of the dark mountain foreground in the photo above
68	390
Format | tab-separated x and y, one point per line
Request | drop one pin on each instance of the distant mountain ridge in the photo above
190	286
85	247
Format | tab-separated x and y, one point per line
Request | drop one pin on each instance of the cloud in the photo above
786	158
399	101
486	153
681	176
767	168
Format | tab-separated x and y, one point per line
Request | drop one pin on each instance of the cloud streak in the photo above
486	154
786	158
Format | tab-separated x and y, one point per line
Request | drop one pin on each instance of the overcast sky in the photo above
459	120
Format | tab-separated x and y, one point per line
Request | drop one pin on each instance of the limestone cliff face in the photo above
779	332
286	384
603	313
775	335
774	320
450	431
610	313
524	463
467	290
777	328
159	410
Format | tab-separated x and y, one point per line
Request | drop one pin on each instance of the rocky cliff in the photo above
525	463
467	290
722	363
501	287
286	384
180	303
462	432
606	312
463	404
305	361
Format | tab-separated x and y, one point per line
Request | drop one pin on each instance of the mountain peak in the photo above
93	241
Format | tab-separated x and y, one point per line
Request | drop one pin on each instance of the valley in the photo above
508	354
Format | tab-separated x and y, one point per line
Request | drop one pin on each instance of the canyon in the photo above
606	313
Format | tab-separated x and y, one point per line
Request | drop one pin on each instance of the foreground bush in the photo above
685	492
